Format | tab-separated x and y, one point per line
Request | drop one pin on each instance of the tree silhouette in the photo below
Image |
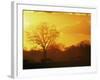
45	36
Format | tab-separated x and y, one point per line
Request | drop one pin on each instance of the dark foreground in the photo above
73	56
27	65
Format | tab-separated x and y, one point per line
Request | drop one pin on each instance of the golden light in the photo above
73	27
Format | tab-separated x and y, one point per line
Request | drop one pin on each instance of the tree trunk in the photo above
44	54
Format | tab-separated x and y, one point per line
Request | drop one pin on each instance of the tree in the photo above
45	36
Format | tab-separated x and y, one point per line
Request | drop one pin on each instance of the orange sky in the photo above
73	27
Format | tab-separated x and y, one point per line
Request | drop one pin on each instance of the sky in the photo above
73	26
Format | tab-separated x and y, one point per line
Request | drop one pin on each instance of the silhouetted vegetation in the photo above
45	36
75	55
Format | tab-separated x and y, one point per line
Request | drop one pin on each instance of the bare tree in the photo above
45	36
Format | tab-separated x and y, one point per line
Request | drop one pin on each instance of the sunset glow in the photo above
73	27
